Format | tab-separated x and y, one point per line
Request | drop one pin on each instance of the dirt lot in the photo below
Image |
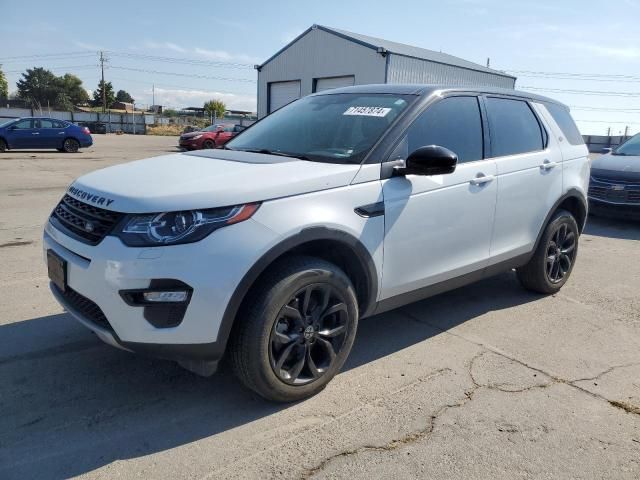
488	381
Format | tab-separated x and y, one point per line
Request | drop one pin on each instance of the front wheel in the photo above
71	145
552	262
295	333
3	146
208	144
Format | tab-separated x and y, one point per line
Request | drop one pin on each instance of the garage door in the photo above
334	82
281	93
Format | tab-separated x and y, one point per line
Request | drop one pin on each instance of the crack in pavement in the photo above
555	378
627	407
334	419
413	437
407	439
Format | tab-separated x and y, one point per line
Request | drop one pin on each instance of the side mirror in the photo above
604	151
429	160
13	127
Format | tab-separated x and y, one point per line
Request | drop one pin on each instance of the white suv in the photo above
336	207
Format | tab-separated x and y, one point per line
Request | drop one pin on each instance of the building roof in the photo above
396	49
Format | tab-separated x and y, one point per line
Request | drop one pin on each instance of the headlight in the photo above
196	137
172	228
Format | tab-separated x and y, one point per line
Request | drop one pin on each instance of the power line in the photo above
49	55
190	75
583	92
571	74
185	61
60	67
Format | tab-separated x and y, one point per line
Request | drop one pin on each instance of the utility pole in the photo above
104	93
488	62
153	94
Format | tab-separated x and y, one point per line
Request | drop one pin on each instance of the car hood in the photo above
616	169
206	179
192	134
619	163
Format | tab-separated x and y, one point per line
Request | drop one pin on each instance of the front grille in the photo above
85	222
610	191
88	309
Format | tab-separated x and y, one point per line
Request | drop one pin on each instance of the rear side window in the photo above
513	126
563	118
454	123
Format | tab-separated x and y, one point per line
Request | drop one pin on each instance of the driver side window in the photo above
454	123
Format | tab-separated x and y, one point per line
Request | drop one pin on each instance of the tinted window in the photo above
337	128
59	124
630	147
513	126
563	118
23	124
453	123
44	123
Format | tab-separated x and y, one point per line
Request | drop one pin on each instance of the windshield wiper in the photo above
274	152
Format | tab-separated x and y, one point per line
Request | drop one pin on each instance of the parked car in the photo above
37	132
271	249
210	137
614	189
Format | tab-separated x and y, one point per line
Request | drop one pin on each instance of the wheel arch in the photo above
335	246
574	202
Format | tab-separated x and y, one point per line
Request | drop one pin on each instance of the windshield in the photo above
336	128
630	147
212	128
4	124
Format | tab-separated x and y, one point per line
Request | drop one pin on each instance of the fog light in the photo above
172	297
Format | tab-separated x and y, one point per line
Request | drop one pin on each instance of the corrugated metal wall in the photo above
412	70
320	54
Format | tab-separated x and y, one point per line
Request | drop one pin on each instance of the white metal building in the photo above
322	57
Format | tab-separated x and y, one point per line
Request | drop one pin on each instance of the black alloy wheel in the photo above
561	250
308	334
552	262
71	145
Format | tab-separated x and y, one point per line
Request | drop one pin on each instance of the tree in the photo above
72	91
4	86
123	96
97	94
215	107
39	87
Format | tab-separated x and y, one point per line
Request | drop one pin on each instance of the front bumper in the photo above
213	267
190	144
615	210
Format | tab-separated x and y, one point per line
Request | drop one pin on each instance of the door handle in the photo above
35	133
548	165
481	179
60	133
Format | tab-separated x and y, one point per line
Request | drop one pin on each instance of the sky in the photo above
585	54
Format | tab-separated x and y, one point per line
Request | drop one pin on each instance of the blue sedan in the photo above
43	133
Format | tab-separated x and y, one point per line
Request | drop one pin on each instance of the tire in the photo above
282	355
554	258
209	144
71	145
3	146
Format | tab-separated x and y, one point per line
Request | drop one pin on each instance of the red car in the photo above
211	137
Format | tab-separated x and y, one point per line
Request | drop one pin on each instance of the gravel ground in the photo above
488	381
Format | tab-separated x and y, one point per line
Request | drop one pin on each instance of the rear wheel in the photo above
209	144
296	331
552	263
71	145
